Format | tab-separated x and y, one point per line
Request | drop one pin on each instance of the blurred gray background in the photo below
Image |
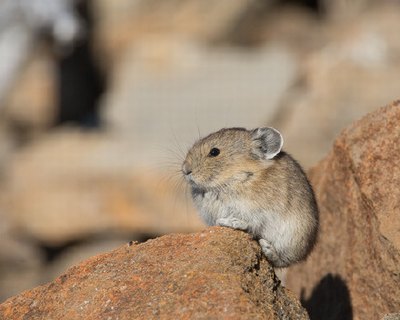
99	101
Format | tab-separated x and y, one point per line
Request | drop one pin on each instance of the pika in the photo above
242	179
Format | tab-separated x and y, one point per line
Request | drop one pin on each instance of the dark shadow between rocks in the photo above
329	300
81	80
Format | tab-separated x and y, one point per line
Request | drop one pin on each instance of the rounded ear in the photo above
269	142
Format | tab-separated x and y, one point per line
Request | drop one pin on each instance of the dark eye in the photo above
214	152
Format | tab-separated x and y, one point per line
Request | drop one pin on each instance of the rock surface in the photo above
354	72
218	273
74	184
356	262
31	102
392	316
125	21
21	262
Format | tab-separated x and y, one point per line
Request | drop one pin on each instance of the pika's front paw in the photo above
233	223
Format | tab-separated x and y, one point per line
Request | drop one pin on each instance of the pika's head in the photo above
230	156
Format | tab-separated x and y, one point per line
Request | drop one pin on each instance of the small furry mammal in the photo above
243	180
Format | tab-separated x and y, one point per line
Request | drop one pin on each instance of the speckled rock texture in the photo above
392	316
354	271
215	274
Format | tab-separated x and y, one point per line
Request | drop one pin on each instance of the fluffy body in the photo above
253	186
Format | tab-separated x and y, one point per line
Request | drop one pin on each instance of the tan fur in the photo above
242	188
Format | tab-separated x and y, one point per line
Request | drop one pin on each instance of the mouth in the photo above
195	186
188	177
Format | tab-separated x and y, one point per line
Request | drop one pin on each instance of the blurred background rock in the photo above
100	99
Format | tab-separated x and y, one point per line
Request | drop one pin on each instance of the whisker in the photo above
198	131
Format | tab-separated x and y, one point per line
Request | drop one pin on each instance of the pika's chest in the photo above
213	206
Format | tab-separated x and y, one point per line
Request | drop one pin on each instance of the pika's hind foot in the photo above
271	254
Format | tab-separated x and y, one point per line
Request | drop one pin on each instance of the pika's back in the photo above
288	183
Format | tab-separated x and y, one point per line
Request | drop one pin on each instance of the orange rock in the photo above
218	273
355	266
